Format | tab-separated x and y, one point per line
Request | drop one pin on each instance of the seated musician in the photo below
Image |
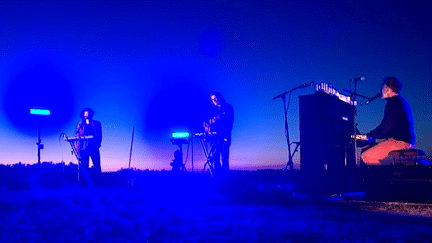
396	128
221	123
89	148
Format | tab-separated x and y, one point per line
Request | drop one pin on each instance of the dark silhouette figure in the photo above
221	123
89	148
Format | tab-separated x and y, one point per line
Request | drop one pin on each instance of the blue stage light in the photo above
40	112
180	135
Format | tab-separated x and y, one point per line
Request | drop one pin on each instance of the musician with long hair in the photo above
221	123
89	148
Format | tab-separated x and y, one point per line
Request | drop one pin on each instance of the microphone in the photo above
358	79
307	84
378	95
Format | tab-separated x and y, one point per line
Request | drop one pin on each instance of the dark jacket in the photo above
93	129
397	122
224	119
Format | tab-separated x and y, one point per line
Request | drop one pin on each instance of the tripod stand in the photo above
293	153
283	97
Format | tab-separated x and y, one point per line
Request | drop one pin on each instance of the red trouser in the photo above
379	152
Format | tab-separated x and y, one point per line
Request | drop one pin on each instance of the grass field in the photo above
196	210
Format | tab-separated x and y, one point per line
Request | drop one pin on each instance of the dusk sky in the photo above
152	65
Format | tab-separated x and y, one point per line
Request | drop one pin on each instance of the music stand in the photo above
73	141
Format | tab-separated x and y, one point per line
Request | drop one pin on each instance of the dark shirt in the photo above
397	122
224	119
94	129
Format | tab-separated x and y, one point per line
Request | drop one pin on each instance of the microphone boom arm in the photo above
291	90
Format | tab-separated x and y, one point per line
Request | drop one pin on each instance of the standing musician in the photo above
396	127
221	123
89	148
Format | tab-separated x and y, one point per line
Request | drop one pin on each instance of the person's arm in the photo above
206	127
78	129
98	127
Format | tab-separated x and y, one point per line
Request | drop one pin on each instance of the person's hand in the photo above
206	127
361	137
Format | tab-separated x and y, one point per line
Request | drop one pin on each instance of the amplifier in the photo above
399	183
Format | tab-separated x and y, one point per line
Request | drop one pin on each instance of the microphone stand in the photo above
130	153
283	96
353	96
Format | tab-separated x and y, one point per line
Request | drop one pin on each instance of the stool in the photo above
408	157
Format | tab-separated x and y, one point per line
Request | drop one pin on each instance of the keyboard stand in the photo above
209	148
73	143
